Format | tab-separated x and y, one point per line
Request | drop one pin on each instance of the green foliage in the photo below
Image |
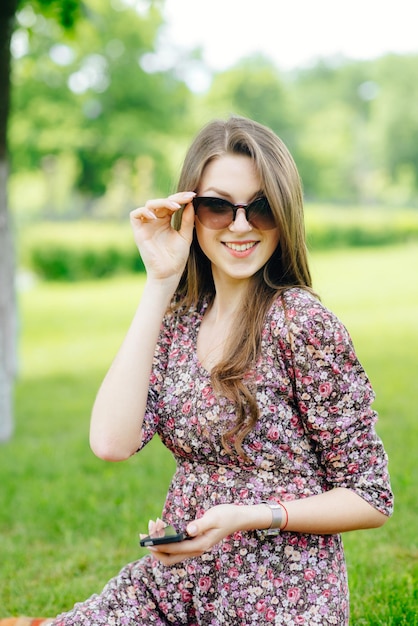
253	88
394	121
60	263
71	251
81	250
107	96
86	93
338	227
65	12
358	128
78	517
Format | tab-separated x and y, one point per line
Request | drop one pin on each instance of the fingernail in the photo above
192	529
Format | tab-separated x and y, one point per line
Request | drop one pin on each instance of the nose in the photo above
240	223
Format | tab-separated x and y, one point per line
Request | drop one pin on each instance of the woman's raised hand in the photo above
163	249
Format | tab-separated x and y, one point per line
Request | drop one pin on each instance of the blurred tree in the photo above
7	297
66	11
394	127
90	97
359	124
332	145
254	88
100	97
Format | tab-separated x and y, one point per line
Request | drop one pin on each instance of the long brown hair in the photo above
287	267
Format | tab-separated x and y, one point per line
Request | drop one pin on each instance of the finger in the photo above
184	194
200	525
193	529
142	214
167	210
151	526
155	209
159	208
172	558
183	197
161	203
187	222
172	203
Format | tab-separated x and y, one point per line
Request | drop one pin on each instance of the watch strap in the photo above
277	517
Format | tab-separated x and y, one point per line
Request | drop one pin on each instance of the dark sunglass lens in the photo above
214	213
218	205
261	215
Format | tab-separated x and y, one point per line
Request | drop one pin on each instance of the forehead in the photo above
231	175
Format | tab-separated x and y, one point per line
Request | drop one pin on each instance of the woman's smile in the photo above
240	249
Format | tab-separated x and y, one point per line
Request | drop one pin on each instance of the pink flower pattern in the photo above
316	431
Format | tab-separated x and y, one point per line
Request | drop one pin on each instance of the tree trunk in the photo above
7	262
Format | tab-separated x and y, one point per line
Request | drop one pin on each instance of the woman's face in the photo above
239	250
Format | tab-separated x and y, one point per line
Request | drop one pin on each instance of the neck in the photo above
228	299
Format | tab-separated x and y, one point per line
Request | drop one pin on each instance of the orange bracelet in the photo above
287	515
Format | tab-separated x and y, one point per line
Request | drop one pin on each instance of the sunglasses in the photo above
217	213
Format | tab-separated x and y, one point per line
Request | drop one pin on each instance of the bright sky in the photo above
293	32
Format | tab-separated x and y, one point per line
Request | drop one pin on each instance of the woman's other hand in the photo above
216	524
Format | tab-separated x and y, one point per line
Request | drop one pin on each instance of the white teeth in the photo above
240	247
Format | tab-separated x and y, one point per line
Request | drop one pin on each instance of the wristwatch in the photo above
277	518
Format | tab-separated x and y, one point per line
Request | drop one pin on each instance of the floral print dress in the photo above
315	432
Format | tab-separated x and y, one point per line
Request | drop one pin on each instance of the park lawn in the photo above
375	293
69	521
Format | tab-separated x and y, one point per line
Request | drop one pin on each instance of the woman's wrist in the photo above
264	516
161	287
277	511
255	517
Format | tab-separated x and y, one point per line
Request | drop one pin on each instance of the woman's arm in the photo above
335	511
118	412
334	406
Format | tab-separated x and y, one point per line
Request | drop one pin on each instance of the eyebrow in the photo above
225	194
218	191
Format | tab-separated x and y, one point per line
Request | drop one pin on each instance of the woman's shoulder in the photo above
296	302
300	311
299	297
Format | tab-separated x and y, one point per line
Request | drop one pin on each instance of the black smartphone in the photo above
168	534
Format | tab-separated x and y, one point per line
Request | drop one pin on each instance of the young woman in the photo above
255	388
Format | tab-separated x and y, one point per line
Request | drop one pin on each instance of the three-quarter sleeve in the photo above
334	399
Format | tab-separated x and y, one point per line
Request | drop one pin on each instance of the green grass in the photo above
375	293
68	521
